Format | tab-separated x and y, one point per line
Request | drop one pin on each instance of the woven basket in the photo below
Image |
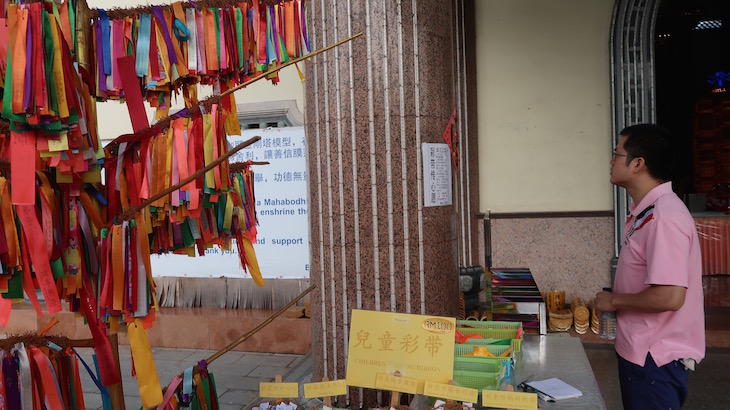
594	316
561	320
581	315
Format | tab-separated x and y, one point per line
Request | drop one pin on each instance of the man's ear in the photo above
639	164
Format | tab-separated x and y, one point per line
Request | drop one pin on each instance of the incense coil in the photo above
472	315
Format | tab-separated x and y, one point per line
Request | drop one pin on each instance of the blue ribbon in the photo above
96	194
142	61
104	391
180	30
104	21
187	385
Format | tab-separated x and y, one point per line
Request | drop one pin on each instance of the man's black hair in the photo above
655	144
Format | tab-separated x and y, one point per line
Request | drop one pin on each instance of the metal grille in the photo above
632	78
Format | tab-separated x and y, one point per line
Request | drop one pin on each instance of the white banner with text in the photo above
280	188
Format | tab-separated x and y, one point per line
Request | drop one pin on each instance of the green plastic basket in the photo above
489	333
498	336
465	349
515	343
476	380
479	364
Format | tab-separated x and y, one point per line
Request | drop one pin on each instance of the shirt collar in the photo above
651	197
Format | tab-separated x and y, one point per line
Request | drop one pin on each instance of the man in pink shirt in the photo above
657	292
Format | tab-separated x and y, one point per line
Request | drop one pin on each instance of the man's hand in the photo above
604	302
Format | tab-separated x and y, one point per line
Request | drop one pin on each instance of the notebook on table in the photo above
555	388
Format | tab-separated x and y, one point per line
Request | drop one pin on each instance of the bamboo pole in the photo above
162	123
116	391
260	326
288	63
132	210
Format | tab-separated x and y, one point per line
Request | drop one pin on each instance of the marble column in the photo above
370	105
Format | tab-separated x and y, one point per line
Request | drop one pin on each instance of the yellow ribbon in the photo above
150	391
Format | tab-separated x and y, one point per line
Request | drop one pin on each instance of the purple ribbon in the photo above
28	63
276	34
105	40
203	365
100	58
12	388
165	33
303	26
176	235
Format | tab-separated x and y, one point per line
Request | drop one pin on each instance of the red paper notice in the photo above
22	167
39	256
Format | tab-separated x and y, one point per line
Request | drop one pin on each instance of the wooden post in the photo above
394	395
278	380
327	400
116	392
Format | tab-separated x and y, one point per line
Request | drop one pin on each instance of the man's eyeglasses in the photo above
616	154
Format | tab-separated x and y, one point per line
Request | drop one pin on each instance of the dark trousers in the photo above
652	387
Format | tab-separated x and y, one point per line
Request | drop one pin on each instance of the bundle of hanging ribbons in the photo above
223	43
38	371
50	110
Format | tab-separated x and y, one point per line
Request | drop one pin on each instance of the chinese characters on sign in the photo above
509	400
400	384
419	347
436	174
279	390
325	389
449	391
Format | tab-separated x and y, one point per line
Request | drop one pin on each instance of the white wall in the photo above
114	116
543	91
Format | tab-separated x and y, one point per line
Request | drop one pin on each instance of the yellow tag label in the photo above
91	176
279	390
325	389
509	400
417	346
59	145
402	384
448	391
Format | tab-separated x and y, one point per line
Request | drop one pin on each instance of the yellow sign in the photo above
325	389
449	391
396	383
279	390
509	400
419	347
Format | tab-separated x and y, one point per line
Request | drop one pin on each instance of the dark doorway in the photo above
693	94
692	71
